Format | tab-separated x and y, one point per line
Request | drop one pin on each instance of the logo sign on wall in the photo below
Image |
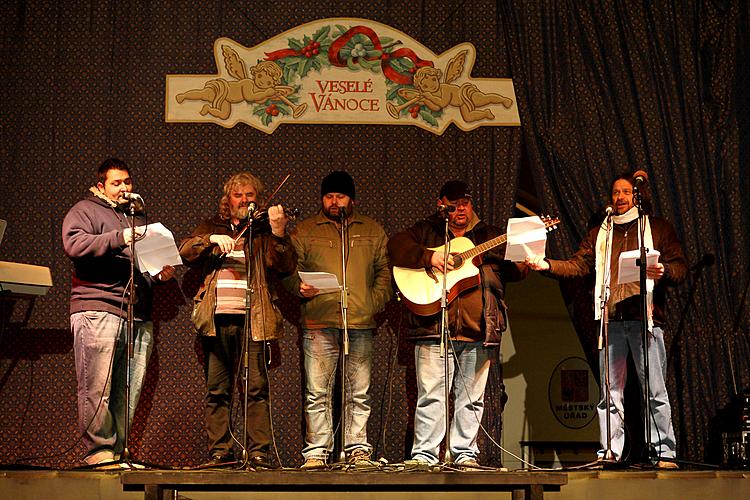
342	71
573	393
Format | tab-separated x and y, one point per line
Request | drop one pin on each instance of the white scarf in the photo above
602	243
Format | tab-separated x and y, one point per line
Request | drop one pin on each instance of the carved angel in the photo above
430	91
260	85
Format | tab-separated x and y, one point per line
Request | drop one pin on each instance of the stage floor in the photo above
325	485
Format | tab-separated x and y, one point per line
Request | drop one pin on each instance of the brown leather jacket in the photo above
625	237
273	258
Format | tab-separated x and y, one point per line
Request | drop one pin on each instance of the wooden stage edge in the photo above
162	485
335	485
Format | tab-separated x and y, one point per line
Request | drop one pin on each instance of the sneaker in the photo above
469	464
313	463
359	456
663	464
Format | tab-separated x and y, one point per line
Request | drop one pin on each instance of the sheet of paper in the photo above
324	282
526	237
628	271
156	249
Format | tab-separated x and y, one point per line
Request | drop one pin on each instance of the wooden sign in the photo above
342	71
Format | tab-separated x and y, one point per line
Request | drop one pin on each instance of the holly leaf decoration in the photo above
321	34
428	117
295	44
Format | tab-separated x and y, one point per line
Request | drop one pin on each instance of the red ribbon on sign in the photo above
334	53
281	54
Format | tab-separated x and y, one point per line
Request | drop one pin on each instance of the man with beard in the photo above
317	241
625	316
96	237
220	246
476	321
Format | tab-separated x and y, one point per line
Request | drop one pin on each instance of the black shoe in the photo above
260	462
218	461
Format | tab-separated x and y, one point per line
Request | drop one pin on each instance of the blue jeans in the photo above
321	348
624	337
100	347
467	387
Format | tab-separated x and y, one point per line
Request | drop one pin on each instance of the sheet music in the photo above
324	282
628	271
156	249
527	236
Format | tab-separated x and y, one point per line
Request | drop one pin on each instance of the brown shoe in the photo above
663	464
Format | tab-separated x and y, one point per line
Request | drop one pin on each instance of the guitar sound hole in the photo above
458	261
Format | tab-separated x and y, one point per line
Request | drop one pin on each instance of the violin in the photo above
260	216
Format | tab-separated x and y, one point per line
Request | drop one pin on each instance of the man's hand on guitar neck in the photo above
437	262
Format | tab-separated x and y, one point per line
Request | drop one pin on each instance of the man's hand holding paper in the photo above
527	237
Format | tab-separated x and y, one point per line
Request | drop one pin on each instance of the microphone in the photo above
132	196
251	207
343	213
609	209
640	178
443	209
135	200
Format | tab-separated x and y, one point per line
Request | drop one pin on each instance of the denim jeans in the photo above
625	336
221	367
467	386
100	348
321	349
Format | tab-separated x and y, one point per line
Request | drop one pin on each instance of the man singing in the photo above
318	244
220	245
96	237
625	314
476	321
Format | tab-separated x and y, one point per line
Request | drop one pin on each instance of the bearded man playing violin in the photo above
221	246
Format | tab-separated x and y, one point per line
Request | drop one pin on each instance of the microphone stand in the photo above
247	332
637	196
609	455
345	332
129	335
445	339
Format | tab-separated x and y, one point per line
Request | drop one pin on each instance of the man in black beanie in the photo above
318	243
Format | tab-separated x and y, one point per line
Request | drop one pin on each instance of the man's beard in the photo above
239	213
335	216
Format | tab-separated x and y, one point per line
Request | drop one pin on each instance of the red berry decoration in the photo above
315	51
274	112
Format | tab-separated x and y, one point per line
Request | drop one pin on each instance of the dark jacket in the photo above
92	235
665	241
411	249
273	258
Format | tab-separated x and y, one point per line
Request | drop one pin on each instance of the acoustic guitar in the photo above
421	289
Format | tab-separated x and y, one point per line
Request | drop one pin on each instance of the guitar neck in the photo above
495	242
484	247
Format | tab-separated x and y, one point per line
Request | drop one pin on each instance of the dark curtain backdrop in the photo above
659	86
600	86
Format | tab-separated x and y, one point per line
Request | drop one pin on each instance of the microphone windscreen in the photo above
640	174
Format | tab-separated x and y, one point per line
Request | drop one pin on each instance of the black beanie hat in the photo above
338	182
